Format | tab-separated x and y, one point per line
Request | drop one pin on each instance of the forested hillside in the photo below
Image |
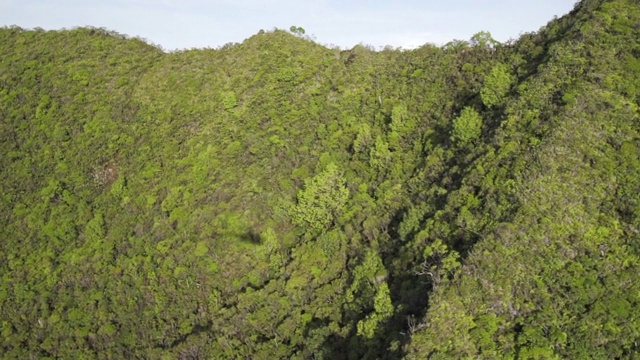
279	199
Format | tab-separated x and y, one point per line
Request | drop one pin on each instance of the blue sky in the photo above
179	24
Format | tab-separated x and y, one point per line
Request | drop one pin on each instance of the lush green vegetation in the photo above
280	199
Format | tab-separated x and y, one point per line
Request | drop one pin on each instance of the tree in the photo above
484	40
496	85
321	200
95	231
297	30
439	263
382	310
467	127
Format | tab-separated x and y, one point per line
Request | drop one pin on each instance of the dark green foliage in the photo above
297	30
278	199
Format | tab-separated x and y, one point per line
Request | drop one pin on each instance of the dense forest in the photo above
279	199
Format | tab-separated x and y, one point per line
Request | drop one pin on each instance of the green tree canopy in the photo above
322	199
467	127
496	85
297	30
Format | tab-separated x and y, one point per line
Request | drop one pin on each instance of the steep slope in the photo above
557	279
161	201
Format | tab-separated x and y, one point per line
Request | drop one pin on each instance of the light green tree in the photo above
496	85
439	263
95	230
382	310
399	116
229	100
321	201
467	127
379	155
364	139
484	40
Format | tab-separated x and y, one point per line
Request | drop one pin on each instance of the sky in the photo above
185	24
